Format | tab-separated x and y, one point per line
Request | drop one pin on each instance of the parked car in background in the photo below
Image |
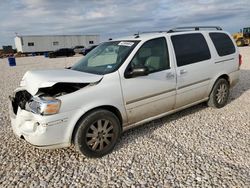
62	52
124	83
85	51
78	49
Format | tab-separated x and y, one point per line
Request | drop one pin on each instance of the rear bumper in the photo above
41	131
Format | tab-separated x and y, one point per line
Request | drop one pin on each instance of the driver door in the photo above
153	94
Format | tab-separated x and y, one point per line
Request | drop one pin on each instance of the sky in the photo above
115	18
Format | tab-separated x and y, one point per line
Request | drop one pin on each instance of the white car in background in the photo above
78	49
123	83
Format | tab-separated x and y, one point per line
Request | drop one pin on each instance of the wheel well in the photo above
105	107
225	76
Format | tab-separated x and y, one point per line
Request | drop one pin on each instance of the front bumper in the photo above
42	131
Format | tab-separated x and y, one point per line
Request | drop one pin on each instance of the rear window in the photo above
190	48
222	43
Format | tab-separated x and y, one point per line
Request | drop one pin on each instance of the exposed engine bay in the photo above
20	99
60	89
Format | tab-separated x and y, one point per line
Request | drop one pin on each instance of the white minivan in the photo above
123	83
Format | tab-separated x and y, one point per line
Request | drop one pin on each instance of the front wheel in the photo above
97	133
240	42
220	93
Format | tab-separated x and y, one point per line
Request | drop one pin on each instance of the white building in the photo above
45	43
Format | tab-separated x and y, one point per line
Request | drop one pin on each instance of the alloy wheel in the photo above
100	134
221	93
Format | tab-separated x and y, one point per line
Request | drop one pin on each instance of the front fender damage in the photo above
22	98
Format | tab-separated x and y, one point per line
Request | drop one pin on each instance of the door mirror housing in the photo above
135	72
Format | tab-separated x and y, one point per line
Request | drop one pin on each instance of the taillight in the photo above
240	60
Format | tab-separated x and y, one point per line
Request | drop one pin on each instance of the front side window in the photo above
190	48
153	54
105	58
222	43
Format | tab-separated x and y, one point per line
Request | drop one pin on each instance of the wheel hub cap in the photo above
221	93
100	135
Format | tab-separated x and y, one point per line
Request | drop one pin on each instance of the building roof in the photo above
55	35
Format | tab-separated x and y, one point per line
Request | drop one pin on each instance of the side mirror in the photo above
135	72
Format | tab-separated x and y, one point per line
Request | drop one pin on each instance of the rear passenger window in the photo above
190	48
222	43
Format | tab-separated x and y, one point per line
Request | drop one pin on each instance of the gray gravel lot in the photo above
197	147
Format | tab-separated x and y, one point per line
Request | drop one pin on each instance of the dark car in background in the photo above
62	52
85	51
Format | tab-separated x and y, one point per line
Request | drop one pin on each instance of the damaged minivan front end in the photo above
35	107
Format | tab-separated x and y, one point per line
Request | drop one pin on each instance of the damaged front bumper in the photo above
41	131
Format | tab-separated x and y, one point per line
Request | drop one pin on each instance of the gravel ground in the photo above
197	147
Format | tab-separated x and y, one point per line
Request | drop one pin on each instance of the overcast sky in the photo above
112	18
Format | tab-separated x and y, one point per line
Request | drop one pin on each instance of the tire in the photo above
240	42
52	56
219	95
97	133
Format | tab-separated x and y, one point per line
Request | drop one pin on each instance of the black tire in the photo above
92	141
219	95
240	42
52	56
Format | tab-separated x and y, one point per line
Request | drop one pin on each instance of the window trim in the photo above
210	54
167	48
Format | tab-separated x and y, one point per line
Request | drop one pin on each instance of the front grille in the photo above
14	106
20	99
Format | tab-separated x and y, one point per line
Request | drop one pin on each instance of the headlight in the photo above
44	105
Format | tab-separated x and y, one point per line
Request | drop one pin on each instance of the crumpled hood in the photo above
33	80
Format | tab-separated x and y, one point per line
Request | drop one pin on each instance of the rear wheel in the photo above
97	133
220	94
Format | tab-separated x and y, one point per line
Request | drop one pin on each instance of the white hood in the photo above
33	80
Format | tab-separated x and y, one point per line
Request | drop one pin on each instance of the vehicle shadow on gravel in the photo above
242	86
150	127
147	129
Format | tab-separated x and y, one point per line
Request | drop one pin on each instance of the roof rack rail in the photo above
145	32
137	35
196	28
153	32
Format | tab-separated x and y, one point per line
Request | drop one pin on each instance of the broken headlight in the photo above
44	105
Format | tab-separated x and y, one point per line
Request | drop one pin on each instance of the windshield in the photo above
105	58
